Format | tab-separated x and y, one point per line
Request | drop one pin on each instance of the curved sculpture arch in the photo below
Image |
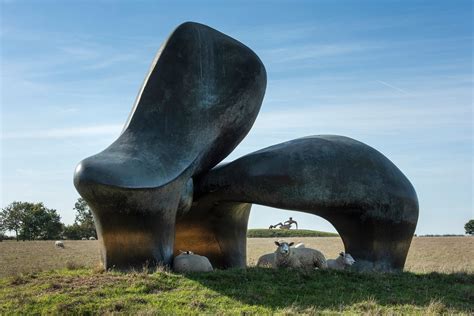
154	190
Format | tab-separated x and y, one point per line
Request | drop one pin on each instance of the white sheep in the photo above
91	238
83	238
267	260
59	244
343	261
288	257
187	261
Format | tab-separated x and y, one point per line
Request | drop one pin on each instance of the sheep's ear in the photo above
291	244
277	243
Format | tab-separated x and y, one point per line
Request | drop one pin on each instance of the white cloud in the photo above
68	132
305	52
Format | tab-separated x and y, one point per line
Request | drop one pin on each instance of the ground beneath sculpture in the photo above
427	254
250	290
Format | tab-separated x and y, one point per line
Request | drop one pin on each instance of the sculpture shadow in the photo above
301	291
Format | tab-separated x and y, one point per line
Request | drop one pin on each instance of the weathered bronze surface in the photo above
154	192
198	101
364	195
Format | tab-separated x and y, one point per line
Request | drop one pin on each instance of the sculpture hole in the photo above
263	217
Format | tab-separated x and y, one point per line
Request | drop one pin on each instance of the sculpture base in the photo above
217	231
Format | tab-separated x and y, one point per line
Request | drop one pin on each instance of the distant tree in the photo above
13	216
40	222
3	229
31	221
84	219
469	227
73	232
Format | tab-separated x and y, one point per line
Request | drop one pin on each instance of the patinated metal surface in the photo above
198	101
363	194
154	192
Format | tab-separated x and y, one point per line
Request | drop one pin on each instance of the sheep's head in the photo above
347	259
283	247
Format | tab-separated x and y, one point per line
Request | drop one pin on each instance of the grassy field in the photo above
76	288
427	254
241	292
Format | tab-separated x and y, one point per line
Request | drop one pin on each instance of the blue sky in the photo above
397	75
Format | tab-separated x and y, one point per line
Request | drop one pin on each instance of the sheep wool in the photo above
189	262
343	261
288	257
267	260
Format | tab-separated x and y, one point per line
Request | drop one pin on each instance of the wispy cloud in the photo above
392	86
367	119
69	132
304	52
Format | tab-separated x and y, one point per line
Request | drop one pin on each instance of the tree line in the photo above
34	221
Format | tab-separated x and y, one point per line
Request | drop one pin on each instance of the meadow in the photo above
36	277
427	254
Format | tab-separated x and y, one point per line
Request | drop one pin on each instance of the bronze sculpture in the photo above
154	190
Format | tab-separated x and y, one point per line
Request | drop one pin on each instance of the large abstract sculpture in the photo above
153	191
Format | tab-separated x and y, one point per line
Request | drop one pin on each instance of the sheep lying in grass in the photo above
59	244
91	238
288	257
342	262
268	260
187	261
83	238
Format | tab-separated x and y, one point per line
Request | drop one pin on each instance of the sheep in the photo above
91	238
187	261
83	238
267	260
59	244
288	257
343	261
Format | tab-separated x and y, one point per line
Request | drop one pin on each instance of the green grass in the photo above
250	291
275	233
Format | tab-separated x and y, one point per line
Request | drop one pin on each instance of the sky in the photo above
396	75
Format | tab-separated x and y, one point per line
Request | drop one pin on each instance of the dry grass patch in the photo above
427	254
34	256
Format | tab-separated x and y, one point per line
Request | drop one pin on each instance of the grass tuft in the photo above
71	265
436	307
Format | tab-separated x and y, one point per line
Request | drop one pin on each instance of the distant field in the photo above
427	254
287	233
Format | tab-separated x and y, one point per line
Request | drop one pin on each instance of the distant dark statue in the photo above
290	222
287	225
157	188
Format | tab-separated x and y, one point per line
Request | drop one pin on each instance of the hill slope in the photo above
273	233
